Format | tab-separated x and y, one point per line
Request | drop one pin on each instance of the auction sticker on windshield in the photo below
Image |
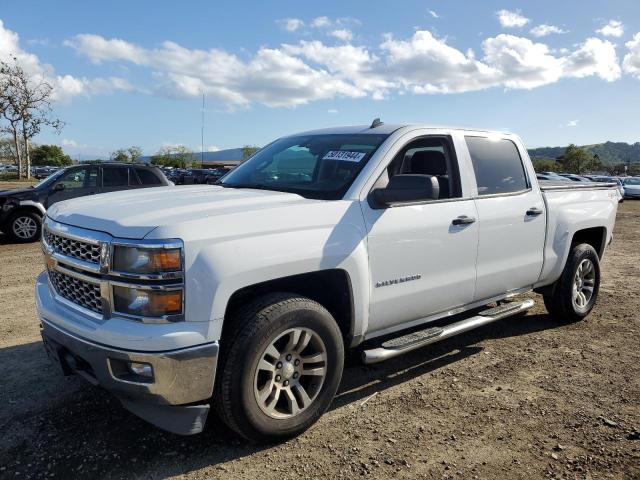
344	156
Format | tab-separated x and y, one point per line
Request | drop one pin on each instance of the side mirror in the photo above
407	189
58	187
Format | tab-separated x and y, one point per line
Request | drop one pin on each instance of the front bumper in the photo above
172	399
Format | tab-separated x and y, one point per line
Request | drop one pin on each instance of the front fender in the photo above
327	235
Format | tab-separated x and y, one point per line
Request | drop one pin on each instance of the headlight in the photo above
144	260
141	302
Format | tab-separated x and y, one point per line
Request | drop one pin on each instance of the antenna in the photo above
376	123
202	135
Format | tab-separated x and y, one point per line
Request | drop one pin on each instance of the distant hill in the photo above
228	155
610	153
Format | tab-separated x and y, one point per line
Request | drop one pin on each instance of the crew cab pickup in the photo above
243	296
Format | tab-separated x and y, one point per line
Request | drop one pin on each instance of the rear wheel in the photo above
24	227
574	294
280	368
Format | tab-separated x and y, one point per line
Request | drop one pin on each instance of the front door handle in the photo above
534	212
463	220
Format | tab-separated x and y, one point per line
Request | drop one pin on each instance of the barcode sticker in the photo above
344	156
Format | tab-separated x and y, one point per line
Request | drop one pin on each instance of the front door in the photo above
76	182
421	261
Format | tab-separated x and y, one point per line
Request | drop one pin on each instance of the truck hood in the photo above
135	213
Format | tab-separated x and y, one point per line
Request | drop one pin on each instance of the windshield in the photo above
50	179
632	181
313	166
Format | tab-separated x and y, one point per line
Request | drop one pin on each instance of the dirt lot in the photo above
522	398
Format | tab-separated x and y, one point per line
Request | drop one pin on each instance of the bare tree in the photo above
27	110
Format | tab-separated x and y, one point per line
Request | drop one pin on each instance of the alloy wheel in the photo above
24	227
290	373
584	283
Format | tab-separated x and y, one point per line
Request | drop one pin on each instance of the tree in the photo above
248	151
177	156
545	165
120	155
27	108
578	160
134	154
50	155
126	155
7	152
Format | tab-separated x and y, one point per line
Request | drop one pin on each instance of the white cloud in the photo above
511	19
41	42
295	74
544	30
332	111
614	28
433	14
572	123
65	87
69	143
631	62
212	148
342	34
321	22
292	24
426	64
593	57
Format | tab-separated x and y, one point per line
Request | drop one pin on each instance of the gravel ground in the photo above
522	398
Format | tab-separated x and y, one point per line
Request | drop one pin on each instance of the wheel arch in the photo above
23	209
331	288
594	236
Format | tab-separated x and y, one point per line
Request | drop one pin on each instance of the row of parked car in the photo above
629	187
178	176
192	176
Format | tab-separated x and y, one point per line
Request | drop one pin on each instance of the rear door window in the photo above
115	177
497	165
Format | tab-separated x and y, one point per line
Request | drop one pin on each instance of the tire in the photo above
563	301
242	380
24	227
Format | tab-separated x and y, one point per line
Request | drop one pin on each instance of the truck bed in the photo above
560	185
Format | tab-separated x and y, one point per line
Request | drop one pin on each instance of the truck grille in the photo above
73	248
85	294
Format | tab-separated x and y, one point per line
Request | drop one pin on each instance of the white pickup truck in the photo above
244	295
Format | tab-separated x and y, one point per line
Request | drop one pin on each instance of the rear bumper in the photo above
173	397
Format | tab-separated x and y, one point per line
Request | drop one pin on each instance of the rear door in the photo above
115	178
511	214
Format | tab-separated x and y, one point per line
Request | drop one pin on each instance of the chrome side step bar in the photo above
397	346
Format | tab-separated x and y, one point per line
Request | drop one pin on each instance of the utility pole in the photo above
202	135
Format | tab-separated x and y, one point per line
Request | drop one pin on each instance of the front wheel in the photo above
574	294
280	369
25	227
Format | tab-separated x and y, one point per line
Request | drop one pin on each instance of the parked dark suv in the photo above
21	210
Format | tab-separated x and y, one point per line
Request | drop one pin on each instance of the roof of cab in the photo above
385	129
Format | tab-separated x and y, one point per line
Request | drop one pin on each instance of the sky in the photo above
133	72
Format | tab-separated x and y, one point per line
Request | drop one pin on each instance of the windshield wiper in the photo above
257	186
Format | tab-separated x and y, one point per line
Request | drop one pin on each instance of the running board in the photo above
399	345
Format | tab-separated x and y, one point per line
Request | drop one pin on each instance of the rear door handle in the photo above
463	220
534	212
